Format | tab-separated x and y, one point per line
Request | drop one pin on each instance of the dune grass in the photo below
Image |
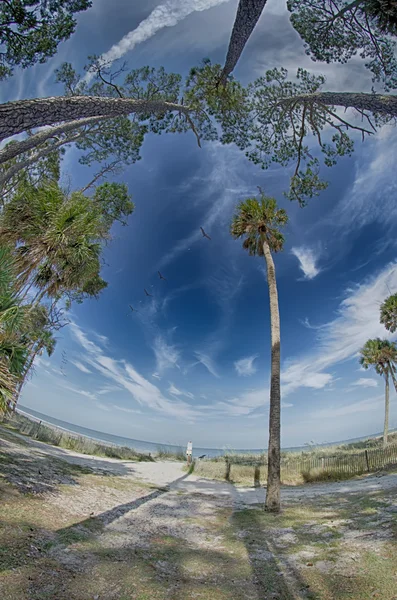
333	463
70	441
166	454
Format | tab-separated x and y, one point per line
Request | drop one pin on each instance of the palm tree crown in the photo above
388	313
380	354
259	220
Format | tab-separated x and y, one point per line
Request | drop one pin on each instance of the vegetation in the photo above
166	454
382	355
52	244
388	313
335	30
259	223
70	441
30	30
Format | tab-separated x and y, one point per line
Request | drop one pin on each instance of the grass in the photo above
56	437
315	465
330	548
166	454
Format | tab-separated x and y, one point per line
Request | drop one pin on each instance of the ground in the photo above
81	528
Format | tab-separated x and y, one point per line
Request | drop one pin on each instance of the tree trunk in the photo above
22	381
273	467
375	103
12	171
386	426
16	148
248	13
24	115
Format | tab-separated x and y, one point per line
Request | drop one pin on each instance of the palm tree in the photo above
388	313
259	221
382	355
37	335
58	238
13	353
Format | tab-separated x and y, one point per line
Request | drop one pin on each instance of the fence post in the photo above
322	464
257	476
227	474
366	460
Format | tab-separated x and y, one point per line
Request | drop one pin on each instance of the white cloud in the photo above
125	375
75	390
156	376
177	392
208	363
80	366
307	261
245	366
366	382
127	410
219	177
167	14
371	197
350	409
167	356
342	338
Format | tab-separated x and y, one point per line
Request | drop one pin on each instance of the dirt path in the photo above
75	527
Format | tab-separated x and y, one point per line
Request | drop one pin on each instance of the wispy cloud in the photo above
349	409
307	261
177	392
220	179
167	14
167	355
126	376
366	382
80	366
74	390
245	366
371	196
342	338
208	363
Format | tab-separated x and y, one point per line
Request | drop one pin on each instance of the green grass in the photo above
69	441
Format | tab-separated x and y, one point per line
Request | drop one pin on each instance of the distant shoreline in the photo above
152	447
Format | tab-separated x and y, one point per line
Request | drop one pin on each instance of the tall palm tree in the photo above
388	313
259	222
382	355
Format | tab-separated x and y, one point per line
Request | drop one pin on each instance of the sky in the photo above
193	363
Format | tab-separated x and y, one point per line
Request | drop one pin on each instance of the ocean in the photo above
153	447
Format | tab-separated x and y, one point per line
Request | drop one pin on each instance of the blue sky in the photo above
193	363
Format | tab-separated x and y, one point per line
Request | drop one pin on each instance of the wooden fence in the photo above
345	465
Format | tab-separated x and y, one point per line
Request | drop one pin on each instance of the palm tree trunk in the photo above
248	13
386	426
23	115
375	103
22	381
273	466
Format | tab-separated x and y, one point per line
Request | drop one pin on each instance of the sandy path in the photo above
171	474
